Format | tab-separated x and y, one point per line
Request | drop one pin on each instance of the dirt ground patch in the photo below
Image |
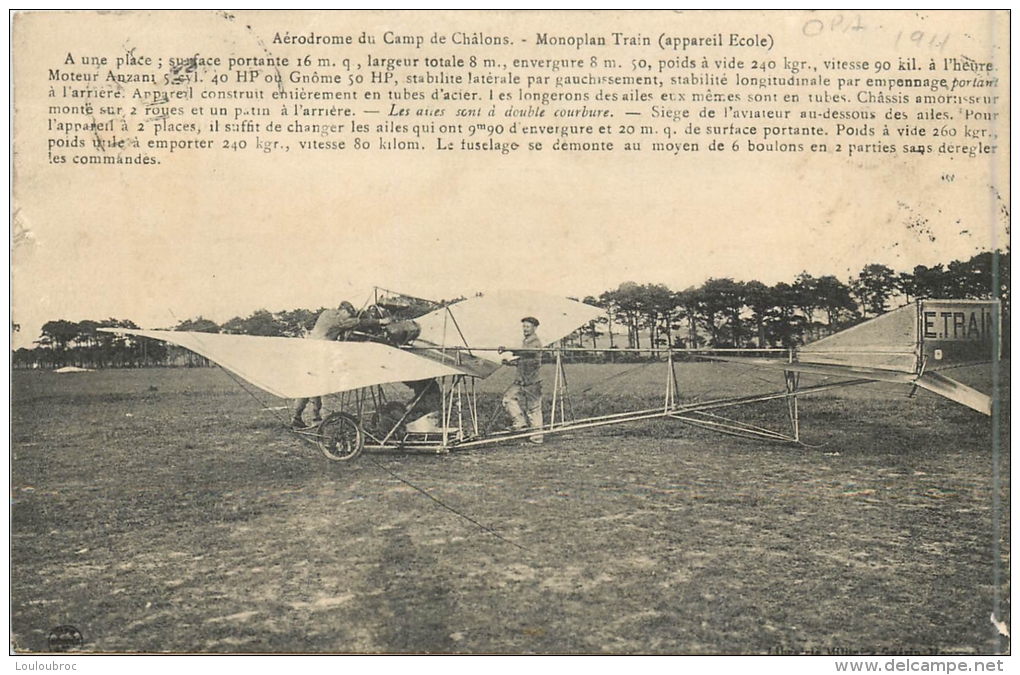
163	510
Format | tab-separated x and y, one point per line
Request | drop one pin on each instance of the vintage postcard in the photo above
511	332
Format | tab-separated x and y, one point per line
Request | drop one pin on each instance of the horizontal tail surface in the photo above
954	391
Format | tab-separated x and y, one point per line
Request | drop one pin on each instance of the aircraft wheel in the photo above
340	437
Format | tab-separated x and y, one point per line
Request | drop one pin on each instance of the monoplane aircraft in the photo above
446	352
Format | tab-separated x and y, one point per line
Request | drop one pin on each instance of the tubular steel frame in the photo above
459	399
459	420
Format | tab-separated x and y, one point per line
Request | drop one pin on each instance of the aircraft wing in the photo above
461	360
296	368
494	320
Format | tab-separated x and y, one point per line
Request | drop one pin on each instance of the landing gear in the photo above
340	437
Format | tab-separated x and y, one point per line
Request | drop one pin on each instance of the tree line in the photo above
720	313
724	313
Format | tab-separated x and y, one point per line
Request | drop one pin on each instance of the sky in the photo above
225	242
220	234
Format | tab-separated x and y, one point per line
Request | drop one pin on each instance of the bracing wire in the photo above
265	407
616	376
389	471
446	506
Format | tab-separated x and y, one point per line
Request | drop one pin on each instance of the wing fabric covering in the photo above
887	342
296	368
494	320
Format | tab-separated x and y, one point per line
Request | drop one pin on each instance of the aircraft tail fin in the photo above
888	342
926	336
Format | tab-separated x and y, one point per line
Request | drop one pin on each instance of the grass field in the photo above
163	510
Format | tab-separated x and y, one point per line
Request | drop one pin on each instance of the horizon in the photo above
367	295
220	239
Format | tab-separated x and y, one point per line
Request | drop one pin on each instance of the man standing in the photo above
523	400
331	325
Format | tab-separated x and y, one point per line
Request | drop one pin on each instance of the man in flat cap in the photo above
523	400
